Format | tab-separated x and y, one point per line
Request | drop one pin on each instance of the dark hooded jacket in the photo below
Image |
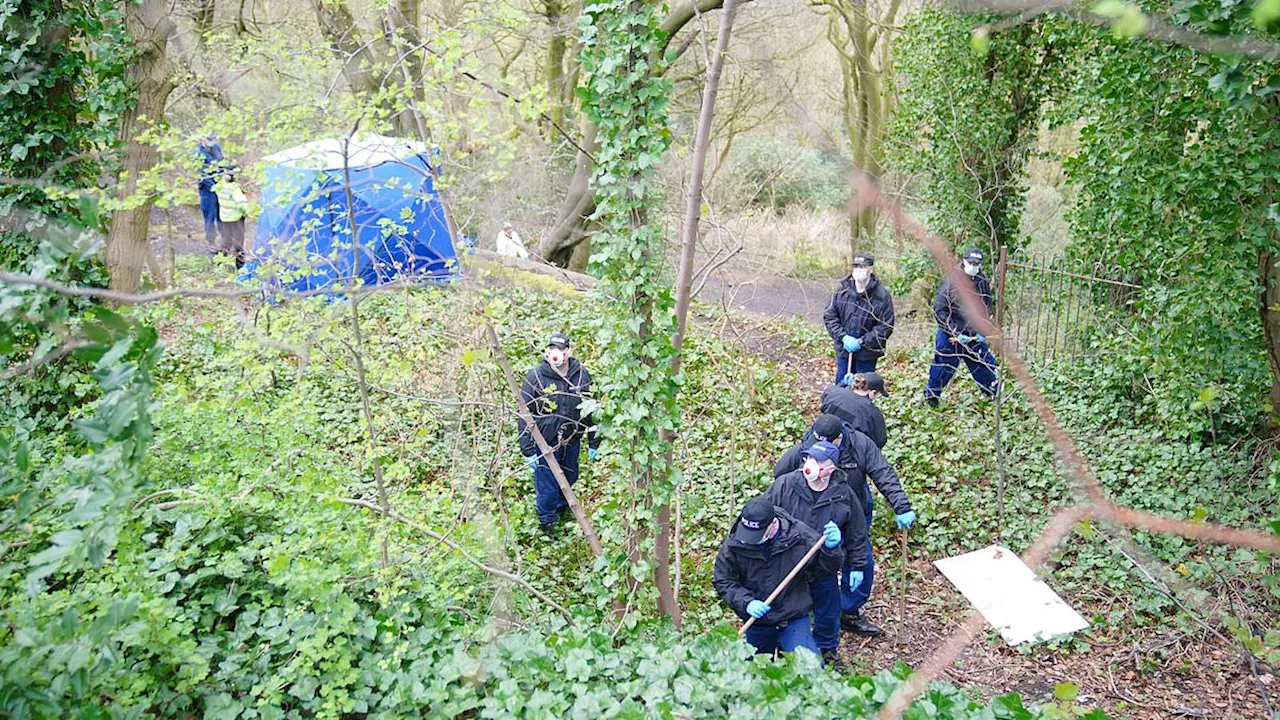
554	401
867	315
859	457
746	572
835	504
857	411
949	310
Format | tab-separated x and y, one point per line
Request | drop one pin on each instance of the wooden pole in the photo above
787	580
583	521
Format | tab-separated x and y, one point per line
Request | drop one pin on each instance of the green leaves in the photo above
1127	19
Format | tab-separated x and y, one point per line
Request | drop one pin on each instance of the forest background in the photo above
236	509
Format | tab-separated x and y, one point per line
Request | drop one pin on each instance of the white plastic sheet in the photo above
1010	596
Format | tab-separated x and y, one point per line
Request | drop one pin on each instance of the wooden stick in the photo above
583	521
787	580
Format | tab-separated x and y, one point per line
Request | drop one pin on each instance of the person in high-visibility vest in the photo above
233	207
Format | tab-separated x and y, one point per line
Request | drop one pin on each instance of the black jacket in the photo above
750	572
836	504
867	315
949	311
857	411
554	401
859	457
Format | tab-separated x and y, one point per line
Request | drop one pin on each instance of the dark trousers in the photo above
233	240
826	611
946	358
767	639
209	209
853	600
859	366
549	498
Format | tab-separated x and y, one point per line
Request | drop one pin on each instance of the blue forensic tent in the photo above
305	240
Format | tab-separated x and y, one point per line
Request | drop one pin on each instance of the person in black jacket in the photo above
765	543
818	495
859	319
859	457
958	337
554	392
855	406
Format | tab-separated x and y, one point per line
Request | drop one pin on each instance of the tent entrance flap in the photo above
305	237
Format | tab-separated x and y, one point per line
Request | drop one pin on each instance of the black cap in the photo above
756	516
559	340
864	259
974	255
875	382
827	427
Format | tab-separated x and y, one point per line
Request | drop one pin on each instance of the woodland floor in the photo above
1150	673
1195	675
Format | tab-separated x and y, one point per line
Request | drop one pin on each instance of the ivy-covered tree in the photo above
968	116
63	92
1178	173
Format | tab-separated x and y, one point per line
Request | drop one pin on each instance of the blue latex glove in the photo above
905	519
832	533
592	453
855	579
980	338
964	339
848	380
757	609
850	343
531	461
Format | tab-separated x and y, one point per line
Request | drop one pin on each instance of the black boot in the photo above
549	529
855	623
831	658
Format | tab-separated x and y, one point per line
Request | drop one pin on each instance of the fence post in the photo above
1001	270
1001	276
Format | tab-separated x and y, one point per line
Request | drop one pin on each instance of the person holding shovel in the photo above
818	496
554	391
855	405
958	337
859	319
765	544
859	458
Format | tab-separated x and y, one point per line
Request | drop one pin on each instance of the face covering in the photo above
971	270
861	274
556	357
816	475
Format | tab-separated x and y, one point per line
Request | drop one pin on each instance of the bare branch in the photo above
496	572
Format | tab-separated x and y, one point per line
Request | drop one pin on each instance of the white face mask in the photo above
971	270
861	274
816	474
556	356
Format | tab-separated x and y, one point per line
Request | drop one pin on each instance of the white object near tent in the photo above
1010	596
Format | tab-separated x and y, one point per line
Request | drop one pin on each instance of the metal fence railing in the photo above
1048	308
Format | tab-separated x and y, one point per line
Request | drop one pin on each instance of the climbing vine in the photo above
626	98
969	114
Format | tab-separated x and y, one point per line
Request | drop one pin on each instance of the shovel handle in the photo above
786	580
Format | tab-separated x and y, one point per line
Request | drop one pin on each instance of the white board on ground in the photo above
1010	596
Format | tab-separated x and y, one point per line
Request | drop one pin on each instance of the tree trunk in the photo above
559	245
668	603
202	16
150	27
1269	308
338	26
553	10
